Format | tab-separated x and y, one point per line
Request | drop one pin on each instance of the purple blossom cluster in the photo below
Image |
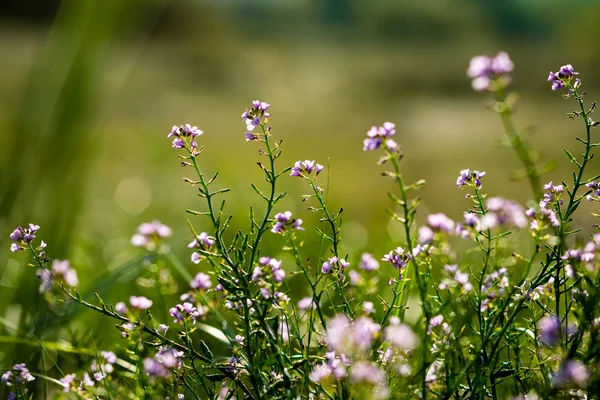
285	222
456	278
304	168
140	302
502	212
368	263
255	116
484	70
470	178
149	234
18	376
23	237
163	363
185	135
398	257
333	262
203	242
61	273
381	135
563	77
277	273
186	312
201	282
595	192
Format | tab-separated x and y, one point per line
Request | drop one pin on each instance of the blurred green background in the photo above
90	89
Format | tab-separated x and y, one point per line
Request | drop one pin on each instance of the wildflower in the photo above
378	135
563	77
67	382
305	303
19	375
109	356
120	308
572	371
398	257
506	212
320	373
149	234
466	177
368	307
401	336
425	235
254	117
305	168
184	135
440	222
23	236
368	262
186	311
484	70
140	302
284	221
203	241
162	329
549	329
63	269
201	282
364	371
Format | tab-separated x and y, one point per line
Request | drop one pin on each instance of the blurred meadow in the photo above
90	89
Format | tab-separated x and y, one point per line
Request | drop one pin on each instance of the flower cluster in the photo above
61	273
17	377
381	135
140	302
470	178
186	312
398	257
185	136
163	363
203	242
305	168
254	117
368	262
149	235
494	285
23	237
563	77
285	222
201	282
330	265
456	278
484	71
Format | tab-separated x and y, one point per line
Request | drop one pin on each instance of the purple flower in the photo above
201	282
251	136
63	270
440	222
366	372
149	234
140	302
378	134
304	168
368	262
109	356
320	373
184	134
561	78
305	303
467	177
156	369
549	329
284	220
572	371
186	311
17	234
483	70
398	257
67	382
162	329
120	308
332	262
401	336
15	247
19	375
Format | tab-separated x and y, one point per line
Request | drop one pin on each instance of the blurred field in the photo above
87	98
